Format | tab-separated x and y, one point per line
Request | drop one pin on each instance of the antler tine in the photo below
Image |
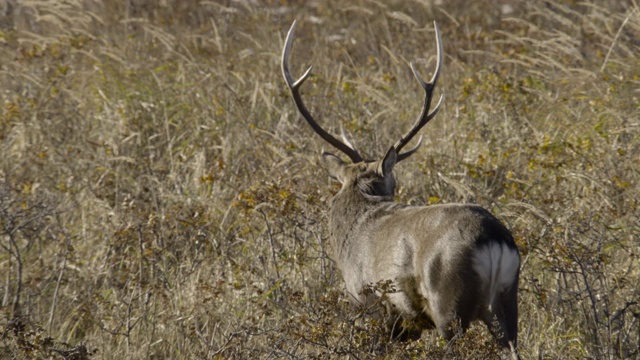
425	114
410	152
294	87
346	139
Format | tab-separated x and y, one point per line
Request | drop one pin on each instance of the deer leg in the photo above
396	324
509	301
450	324
400	332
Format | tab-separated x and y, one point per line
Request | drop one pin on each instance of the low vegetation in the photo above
160	197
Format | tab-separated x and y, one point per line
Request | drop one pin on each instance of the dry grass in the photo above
161	198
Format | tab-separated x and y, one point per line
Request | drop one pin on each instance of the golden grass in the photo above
160	197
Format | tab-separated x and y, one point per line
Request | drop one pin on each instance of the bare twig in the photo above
273	250
55	292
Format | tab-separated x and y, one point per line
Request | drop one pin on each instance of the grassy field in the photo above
160	196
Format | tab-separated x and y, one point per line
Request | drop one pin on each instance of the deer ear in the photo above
388	162
334	165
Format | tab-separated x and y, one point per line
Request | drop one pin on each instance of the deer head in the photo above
383	167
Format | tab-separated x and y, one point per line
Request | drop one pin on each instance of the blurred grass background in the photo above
160	197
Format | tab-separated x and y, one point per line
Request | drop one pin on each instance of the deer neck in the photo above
351	212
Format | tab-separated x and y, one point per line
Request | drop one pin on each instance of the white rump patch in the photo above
497	266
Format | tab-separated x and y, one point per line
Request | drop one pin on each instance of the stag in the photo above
449	265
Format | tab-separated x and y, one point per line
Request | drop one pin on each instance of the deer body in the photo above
447	264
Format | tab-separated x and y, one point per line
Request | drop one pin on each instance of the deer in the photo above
448	264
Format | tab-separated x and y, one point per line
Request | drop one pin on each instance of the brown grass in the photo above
160	197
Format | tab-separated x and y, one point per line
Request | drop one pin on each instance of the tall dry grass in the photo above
161	198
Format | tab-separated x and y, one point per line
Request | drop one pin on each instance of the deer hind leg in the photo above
502	320
451	326
403	320
400	331
448	321
449	317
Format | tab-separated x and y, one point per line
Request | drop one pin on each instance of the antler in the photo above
294	87
425	114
